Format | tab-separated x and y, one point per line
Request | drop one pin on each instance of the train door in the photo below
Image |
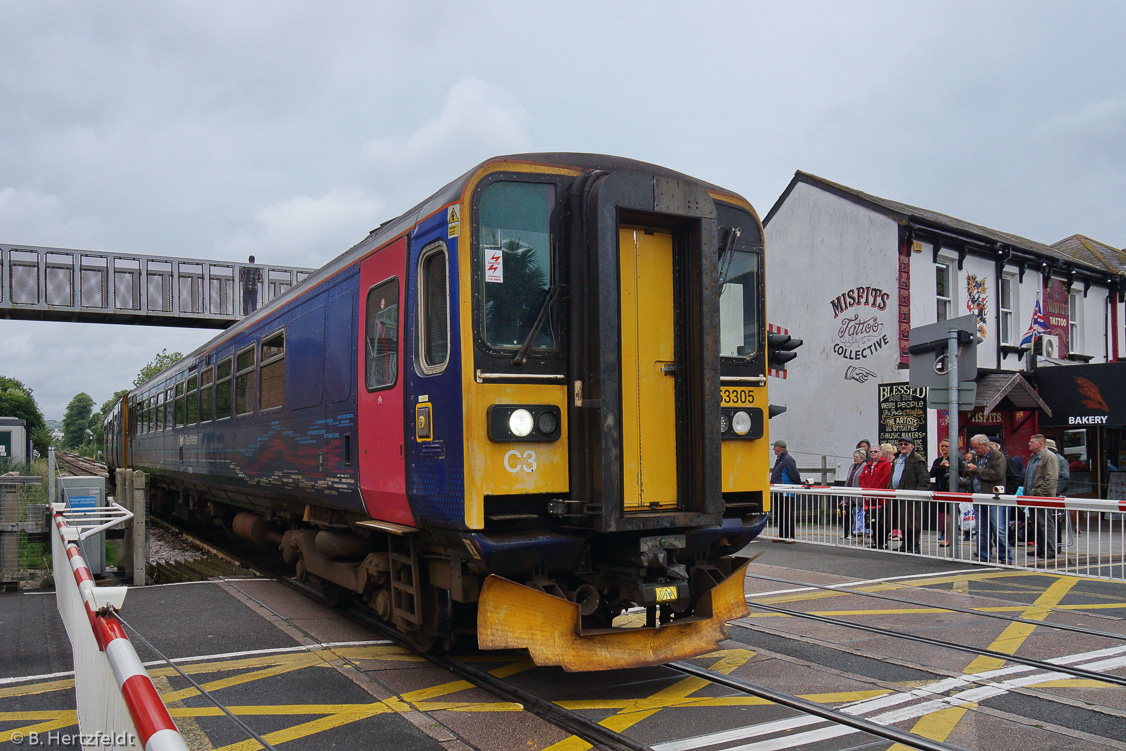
381	449
649	429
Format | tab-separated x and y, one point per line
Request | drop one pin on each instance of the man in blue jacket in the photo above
785	472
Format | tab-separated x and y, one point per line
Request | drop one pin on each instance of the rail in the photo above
118	705
1080	536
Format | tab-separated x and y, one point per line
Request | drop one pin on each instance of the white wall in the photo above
818	249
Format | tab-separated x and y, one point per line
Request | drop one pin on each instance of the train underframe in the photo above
574	599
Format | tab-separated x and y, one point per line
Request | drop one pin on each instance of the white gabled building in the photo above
851	274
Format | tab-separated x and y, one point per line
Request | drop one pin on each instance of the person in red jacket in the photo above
876	475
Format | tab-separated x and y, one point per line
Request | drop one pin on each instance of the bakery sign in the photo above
1084	396
859	331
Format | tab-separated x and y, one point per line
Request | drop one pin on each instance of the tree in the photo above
16	400
162	360
77	421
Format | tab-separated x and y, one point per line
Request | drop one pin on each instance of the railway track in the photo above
589	730
833	722
74	464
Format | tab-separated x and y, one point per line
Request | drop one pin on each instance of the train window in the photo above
244	382
381	350
433	301
740	279
206	395
271	391
517	263
223	389
159	399
193	400
180	404
150	414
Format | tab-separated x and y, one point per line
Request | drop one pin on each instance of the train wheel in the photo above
335	595
424	641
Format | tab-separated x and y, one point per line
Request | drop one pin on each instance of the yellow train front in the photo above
614	390
531	409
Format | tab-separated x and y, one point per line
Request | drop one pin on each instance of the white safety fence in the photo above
118	706
1082	536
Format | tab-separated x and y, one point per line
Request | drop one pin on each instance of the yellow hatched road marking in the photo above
939	725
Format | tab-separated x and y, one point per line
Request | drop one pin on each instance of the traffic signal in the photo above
780	349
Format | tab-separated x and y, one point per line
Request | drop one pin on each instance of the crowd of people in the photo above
985	468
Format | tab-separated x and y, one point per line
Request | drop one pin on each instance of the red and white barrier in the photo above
116	698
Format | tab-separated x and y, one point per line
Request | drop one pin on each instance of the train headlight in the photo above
724	422
520	423
741	423
524	422
547	423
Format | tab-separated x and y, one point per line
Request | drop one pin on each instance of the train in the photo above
530	411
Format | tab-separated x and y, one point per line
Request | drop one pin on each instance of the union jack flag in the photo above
1038	327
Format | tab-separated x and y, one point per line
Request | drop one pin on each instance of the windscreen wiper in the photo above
522	353
727	254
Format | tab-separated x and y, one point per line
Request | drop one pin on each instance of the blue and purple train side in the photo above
530	404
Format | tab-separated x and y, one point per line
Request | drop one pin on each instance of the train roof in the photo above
449	193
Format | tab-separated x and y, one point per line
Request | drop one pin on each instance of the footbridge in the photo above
90	286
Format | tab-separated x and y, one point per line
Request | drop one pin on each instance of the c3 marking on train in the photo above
516	461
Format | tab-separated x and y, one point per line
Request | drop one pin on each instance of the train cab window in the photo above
244	382
433	302
271	392
193	400
181	405
223	389
381	349
206	395
517	263
740	282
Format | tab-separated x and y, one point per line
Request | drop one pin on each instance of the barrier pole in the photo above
117	702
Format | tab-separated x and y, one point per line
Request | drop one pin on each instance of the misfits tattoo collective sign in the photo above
860	333
903	412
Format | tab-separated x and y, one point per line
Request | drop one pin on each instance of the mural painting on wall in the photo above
860	333
1056	313
977	301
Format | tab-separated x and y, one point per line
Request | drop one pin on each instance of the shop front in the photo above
1088	423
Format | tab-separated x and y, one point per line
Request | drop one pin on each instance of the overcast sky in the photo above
287	130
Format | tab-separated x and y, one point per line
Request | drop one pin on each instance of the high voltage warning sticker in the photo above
453	218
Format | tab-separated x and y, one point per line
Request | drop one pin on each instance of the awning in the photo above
1008	391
